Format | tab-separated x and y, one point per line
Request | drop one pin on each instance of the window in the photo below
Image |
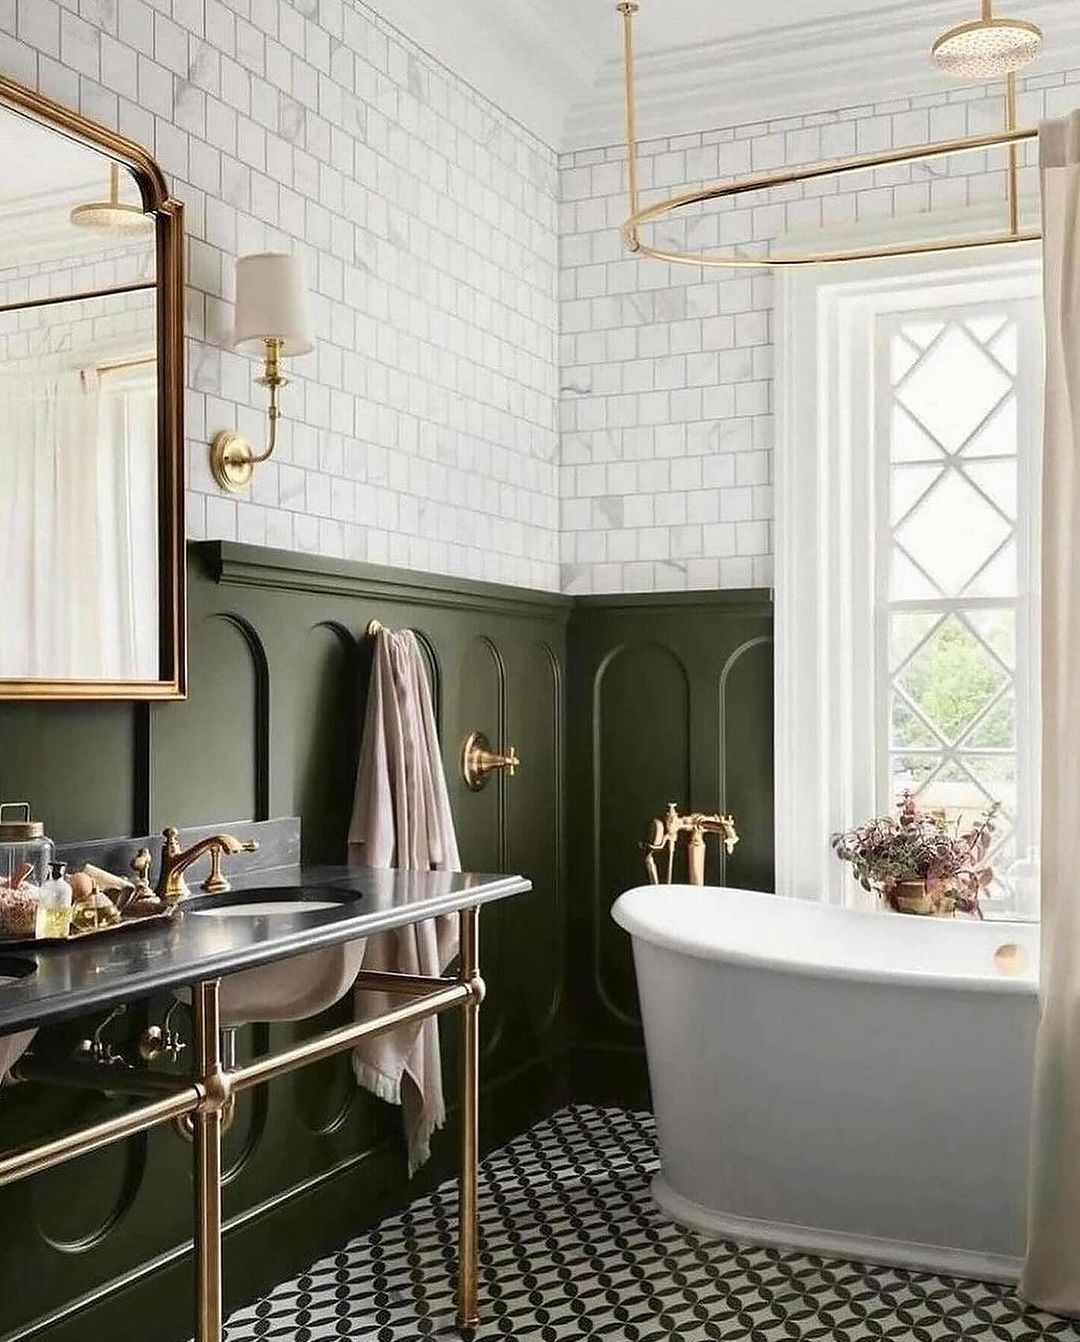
907	636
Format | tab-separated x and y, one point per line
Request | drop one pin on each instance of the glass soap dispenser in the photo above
25	849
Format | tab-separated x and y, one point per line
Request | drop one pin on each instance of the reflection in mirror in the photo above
78	413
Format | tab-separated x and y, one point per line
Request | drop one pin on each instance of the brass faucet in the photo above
174	862
664	835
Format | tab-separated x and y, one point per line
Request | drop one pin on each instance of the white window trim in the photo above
824	698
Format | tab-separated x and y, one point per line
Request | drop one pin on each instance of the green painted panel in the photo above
670	699
279	662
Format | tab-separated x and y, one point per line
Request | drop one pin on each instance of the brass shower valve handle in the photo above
664	836
479	761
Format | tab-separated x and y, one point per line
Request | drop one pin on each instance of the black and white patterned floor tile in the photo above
572	1247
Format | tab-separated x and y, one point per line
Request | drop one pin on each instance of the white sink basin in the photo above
290	989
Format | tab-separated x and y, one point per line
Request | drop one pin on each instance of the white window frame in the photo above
827	705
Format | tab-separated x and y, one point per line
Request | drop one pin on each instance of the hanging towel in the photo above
402	818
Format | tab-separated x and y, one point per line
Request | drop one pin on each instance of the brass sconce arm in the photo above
232	458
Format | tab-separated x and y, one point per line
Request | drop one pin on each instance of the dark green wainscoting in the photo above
670	699
646	700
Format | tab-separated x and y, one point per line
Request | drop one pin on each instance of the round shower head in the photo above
112	215
987	48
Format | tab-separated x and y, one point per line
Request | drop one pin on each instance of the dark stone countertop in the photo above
139	959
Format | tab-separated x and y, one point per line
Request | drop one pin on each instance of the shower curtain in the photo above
78	522
1052	1272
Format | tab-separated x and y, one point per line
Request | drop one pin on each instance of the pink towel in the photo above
402	819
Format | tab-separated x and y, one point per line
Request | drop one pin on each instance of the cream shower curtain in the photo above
1052	1273
78	524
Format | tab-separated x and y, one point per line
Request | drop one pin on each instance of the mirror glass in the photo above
79	454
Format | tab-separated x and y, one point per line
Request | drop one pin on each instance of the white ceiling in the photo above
556	67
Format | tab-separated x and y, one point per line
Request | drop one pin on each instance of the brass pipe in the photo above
1013	176
81	1143
791	176
468	1314
206	999
336	1041
628	8
379	981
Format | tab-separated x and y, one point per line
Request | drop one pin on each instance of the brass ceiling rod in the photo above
984	48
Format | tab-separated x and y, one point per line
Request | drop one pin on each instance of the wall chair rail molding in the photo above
91	321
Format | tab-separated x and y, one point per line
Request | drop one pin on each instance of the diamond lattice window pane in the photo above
952	533
906	582
907	629
996	479
909	441
1006	348
903	356
999	435
997	629
985	328
996	730
923	333
907	485
912	773
954	791
951	679
995	775
954	388
908	731
998	578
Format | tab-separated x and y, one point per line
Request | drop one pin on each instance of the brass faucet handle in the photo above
479	761
217	883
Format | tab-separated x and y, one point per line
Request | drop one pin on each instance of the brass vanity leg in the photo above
468	1316
207	1153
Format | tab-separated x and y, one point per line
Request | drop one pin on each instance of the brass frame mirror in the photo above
168	284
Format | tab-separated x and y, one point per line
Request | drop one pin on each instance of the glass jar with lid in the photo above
25	848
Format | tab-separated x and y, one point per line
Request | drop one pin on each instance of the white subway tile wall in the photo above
666	370
499	390
423	432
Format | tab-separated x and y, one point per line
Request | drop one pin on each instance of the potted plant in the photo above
919	863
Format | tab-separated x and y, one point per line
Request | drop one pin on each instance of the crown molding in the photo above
795	70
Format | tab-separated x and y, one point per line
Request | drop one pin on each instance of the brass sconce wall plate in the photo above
479	761
232	461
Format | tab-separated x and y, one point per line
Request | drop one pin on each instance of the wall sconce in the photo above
273	318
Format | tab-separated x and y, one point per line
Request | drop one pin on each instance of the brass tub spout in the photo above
664	837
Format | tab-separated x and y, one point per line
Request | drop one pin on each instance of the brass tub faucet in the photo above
175	861
664	836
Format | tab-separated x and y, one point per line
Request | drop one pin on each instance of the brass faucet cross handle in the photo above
479	761
175	861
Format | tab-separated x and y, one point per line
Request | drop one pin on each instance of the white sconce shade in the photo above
272	303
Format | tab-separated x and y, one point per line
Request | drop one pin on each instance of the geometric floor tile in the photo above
573	1247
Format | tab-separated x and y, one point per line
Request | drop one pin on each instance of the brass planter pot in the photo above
914	897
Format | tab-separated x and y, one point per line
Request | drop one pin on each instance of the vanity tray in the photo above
30	943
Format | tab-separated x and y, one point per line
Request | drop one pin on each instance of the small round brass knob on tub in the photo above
479	761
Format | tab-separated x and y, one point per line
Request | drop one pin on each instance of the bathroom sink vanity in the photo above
284	940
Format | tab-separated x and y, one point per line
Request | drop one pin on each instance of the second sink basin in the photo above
290	989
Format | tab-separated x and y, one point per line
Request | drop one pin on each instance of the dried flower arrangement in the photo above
918	862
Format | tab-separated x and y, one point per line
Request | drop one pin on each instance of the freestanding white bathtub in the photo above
846	1082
